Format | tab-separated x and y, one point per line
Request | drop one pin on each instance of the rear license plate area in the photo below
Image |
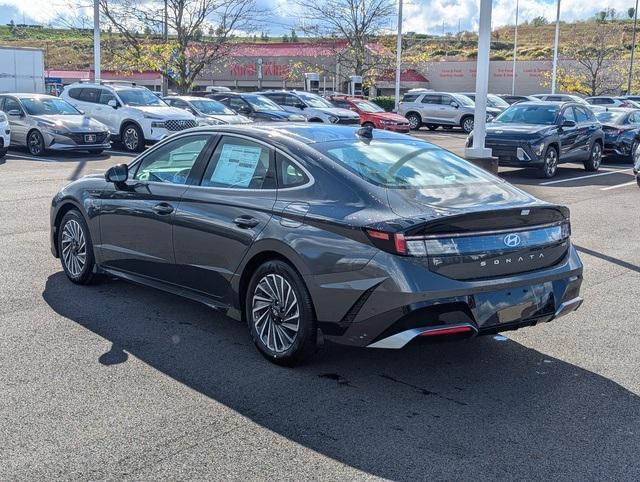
514	304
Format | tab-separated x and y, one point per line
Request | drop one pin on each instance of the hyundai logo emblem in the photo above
512	240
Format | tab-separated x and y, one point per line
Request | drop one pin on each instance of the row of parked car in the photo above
87	116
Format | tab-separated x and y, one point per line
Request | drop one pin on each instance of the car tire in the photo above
3	152
592	164
96	152
415	121
132	138
432	127
550	166
467	124
35	143
631	157
75	249
280	338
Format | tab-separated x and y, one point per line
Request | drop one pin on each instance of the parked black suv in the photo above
543	134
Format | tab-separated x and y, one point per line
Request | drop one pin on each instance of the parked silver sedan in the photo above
207	111
44	122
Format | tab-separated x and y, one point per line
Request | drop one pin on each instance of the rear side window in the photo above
410	97
289	175
240	164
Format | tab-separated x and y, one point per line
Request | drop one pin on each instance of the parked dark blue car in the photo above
621	128
540	135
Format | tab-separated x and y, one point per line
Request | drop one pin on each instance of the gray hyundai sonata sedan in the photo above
311	232
44	122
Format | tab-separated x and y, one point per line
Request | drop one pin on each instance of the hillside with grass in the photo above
73	48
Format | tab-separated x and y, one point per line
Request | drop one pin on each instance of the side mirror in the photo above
454	105
568	123
301	106
117	173
113	103
81	111
244	110
14	113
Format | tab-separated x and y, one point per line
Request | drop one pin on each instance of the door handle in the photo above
162	209
246	222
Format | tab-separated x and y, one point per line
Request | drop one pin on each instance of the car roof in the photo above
187	97
303	133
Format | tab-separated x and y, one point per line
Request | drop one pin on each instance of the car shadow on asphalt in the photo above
489	406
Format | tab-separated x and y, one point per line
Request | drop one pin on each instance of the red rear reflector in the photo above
448	331
378	234
400	243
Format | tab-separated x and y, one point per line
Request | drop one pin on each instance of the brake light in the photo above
390	242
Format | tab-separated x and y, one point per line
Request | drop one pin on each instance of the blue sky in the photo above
420	15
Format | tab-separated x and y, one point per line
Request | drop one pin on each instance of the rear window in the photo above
404	164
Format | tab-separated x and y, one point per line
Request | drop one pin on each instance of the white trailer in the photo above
21	70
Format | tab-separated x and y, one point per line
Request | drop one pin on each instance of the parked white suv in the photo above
134	114
312	106
5	135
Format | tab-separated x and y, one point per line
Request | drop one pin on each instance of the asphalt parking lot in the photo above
120	381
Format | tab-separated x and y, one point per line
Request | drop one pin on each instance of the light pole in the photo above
633	47
398	54
515	52
478	151
555	52
165	77
96	41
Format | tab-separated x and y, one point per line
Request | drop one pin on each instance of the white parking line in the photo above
557	181
32	158
632	183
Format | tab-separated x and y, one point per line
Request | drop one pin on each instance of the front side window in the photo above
208	106
75	93
463	100
106	96
172	162
241	164
314	101
581	115
261	104
237	104
48	106
367	106
529	114
568	115
404	164
139	97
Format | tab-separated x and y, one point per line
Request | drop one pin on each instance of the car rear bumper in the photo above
380	310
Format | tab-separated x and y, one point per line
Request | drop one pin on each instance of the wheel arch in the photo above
128	121
315	119
267	251
64	207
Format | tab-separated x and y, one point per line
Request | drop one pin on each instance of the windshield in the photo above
366	106
48	106
529	114
610	117
211	107
261	103
315	101
464	100
136	97
403	164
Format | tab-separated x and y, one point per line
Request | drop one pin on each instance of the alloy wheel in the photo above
467	125
35	144
414	122
551	163
74	247
596	156
275	312
131	139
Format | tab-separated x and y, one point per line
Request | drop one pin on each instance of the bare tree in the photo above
596	60
355	22
188	52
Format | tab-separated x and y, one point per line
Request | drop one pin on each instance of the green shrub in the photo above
386	102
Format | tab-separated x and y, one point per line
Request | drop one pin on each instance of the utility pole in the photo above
515	52
554	72
165	77
96	41
398	54
633	47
